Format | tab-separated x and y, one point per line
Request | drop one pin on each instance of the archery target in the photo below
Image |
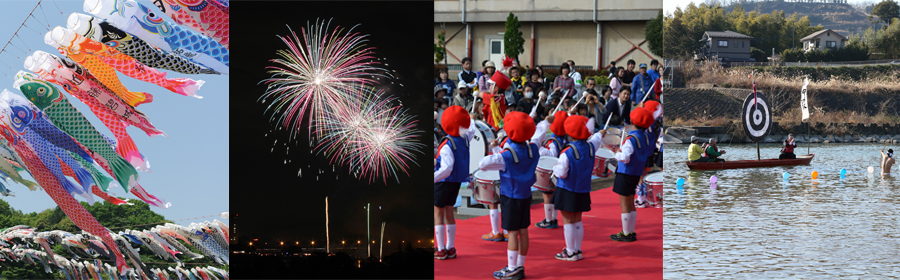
756	117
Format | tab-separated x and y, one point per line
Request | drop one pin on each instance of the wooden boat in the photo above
738	164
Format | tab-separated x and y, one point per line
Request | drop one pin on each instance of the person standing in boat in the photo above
887	161
712	151
787	152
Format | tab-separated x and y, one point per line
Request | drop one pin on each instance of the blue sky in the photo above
189	169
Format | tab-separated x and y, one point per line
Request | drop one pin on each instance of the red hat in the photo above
501	80
454	117
558	126
576	126
641	117
518	126
654	108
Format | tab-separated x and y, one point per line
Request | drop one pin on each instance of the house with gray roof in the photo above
823	39
725	46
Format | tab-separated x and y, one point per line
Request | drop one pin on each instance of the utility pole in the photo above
369	236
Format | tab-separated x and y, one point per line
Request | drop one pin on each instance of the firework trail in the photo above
317	73
368	133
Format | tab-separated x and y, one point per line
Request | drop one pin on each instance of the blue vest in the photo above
580	167
643	148
460	168
560	142
517	179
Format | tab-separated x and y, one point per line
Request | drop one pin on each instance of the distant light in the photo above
251	243
342	242
282	242
357	242
389	242
373	241
432	241
313	243
298	242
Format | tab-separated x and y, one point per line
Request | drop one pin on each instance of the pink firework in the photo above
369	134
316	74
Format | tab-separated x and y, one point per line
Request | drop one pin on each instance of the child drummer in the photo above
551	147
499	82
632	157
516	163
451	169
573	173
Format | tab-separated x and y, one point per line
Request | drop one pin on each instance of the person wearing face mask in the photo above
527	101
450	170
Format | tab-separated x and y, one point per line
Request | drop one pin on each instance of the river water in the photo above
755	225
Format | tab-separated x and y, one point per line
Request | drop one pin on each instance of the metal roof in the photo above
817	33
726	34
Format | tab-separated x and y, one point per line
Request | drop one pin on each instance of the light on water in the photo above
757	225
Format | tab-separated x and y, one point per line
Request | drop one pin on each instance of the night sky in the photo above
268	196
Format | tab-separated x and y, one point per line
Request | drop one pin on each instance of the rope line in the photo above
45	15
17	47
32	29
20	27
23	42
57	8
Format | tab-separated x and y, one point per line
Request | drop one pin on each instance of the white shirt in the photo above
577	77
495	161
561	169
447	160
625	154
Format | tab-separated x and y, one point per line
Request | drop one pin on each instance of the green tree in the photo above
788	55
440	48
653	32
114	217
513	43
758	54
887	11
885	40
676	44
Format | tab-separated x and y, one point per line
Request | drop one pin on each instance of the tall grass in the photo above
832	101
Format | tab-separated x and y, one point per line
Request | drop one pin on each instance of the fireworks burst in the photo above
368	133
317	73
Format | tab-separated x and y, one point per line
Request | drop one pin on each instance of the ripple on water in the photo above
755	225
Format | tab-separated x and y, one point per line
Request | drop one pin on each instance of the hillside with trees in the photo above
109	215
840	17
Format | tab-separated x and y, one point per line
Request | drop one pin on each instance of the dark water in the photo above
755	225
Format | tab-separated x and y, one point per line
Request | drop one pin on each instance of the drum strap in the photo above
452	142
558	148
577	155
516	156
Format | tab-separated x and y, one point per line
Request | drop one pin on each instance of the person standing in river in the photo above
887	161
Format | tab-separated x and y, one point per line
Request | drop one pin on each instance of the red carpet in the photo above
603	258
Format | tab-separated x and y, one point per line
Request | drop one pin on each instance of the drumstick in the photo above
607	121
474	100
560	102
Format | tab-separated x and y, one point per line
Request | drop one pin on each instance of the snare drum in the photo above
612	142
604	163
613	131
486	189
543	173
480	144
654	183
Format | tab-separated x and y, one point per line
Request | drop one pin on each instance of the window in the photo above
831	44
495	47
742	44
723	43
